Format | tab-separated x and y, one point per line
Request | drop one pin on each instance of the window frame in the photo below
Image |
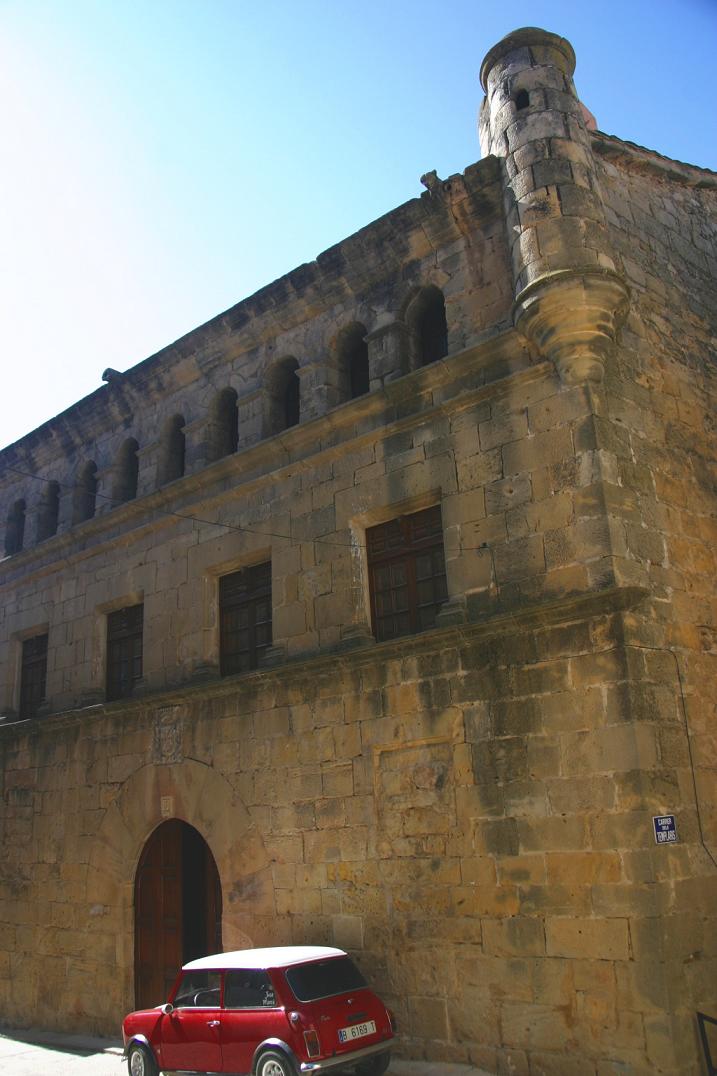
118	637
403	545
255	580
28	678
427	318
16	527
275	1004
213	985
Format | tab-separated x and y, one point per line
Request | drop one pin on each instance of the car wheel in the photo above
140	1061
272	1063
374	1066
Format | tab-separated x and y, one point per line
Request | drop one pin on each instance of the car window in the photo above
248	989
198	989
324	978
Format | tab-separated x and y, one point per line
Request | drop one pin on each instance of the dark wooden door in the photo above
158	915
178	908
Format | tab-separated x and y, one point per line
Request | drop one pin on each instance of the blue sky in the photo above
163	159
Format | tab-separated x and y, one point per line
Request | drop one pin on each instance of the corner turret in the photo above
570	299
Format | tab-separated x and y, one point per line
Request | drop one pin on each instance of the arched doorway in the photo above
177	908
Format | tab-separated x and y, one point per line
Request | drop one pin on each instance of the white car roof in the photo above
276	956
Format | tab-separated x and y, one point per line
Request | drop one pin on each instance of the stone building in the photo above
380	611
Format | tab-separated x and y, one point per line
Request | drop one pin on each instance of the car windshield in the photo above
324	978
198	989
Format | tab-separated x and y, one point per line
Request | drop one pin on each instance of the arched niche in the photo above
202	797
170	464
222	425
177	908
48	511
426	319
84	498
284	395
126	472
15	528
352	359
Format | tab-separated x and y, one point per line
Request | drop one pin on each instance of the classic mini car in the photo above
269	1012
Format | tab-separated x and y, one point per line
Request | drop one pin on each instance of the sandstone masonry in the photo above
469	808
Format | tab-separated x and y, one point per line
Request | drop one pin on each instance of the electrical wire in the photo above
191	518
170	513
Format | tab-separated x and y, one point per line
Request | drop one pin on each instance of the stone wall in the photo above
453	239
468	811
463	812
661	395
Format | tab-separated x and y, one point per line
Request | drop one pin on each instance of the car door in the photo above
190	1033
250	1015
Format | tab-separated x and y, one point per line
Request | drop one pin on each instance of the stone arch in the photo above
425	316
352	360
177	908
48	512
172	450
284	395
195	793
84	498
522	100
222	432
126	472
15	529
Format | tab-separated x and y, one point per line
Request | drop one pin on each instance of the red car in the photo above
265	1012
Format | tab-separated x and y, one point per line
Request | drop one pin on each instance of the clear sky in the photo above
163	159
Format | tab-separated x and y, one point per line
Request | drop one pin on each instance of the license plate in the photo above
357	1031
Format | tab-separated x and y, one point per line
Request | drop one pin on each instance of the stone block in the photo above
501	430
553	834
497	836
580	795
507	494
583	868
519	559
517	936
463	507
596	939
463	1025
532	1025
543	678
338	780
542	449
477	470
614	748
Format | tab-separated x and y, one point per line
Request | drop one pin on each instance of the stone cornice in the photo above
647	162
528	37
498	364
343	272
541	614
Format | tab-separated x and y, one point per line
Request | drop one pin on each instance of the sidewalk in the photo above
81	1044
32	1052
400	1067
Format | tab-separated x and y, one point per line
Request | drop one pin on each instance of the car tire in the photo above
274	1063
140	1061
374	1066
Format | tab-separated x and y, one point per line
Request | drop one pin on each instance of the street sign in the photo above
665	828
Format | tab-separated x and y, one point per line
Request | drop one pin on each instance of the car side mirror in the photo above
167	1008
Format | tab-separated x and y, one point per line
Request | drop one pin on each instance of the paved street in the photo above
47	1054
75	1057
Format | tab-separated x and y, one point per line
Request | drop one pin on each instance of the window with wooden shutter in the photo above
33	675
124	651
407	573
244	618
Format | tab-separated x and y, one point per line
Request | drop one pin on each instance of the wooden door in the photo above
178	908
213	890
158	915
